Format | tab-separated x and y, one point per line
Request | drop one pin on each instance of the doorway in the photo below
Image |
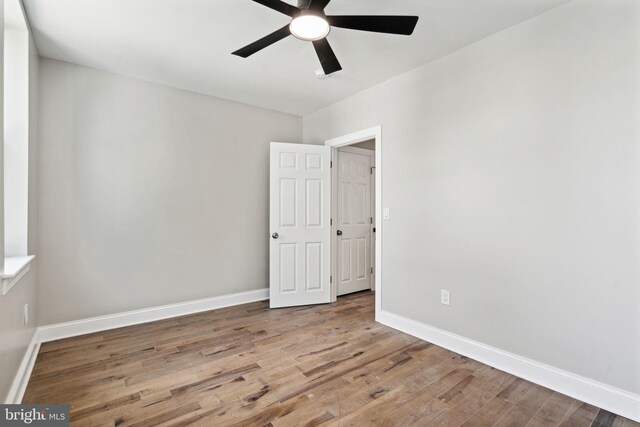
367	142
303	220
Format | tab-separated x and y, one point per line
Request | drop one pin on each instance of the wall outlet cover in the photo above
445	297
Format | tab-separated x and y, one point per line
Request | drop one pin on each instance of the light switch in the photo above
385	213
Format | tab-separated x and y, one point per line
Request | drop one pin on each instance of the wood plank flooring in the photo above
305	366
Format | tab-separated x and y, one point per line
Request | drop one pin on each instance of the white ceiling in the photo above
188	43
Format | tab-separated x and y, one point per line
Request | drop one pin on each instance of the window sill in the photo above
14	269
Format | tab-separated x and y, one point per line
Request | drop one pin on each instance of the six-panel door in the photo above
300	210
354	223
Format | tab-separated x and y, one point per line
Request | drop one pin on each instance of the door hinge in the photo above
331	221
330	279
331	163
371	219
371	270
371	170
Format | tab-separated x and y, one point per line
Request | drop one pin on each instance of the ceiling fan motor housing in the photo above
304	4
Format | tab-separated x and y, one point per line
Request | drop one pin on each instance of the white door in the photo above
355	222
300	213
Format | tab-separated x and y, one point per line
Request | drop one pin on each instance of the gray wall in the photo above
149	195
14	335
511	170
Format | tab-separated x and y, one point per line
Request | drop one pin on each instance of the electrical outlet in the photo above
26	314
444	297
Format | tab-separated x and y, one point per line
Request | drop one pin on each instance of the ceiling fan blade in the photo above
318	4
280	6
263	42
403	25
327	58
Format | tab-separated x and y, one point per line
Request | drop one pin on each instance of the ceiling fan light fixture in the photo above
309	27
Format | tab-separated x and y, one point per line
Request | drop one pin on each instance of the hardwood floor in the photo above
304	366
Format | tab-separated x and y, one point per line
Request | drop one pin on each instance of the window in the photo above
16	144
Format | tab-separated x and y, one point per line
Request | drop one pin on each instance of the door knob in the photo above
339	233
275	235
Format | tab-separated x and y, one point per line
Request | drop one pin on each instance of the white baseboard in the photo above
136	317
20	381
612	399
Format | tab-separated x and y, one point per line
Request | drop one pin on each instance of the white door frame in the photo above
374	133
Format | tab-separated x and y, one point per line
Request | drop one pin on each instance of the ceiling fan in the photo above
309	23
